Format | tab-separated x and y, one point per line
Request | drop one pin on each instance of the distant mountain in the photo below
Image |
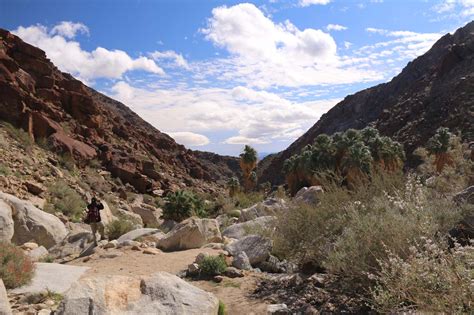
436	89
88	125
262	155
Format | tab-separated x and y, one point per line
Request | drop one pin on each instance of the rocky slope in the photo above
436	89
73	119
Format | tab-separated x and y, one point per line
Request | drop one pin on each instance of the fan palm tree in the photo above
248	162
290	170
342	143
439	145
357	162
233	185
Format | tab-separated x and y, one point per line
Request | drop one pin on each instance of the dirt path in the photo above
235	293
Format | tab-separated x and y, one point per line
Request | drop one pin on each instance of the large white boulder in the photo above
32	224
4	303
6	222
256	247
162	293
191	233
106	214
150	215
309	195
269	207
256	226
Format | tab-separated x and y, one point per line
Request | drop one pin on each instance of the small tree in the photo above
248	162
439	145
233	185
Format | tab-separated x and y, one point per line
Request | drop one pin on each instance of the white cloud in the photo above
264	53
252	116
68	55
336	27
455	8
178	59
69	29
190	138
305	3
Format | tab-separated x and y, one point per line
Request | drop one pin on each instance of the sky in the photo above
216	75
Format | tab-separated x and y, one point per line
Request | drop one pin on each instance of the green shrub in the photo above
221	310
213	266
4	170
16	269
349	231
431	279
117	228
181	205
64	199
244	200
24	139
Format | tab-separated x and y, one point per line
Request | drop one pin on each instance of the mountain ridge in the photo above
434	90
77	120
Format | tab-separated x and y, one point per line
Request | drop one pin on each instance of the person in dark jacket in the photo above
94	220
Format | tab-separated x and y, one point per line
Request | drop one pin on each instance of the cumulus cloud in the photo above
336	27
189	138
176	58
69	29
265	53
305	3
455	8
68	55
250	116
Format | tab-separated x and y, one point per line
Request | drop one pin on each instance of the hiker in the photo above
94	220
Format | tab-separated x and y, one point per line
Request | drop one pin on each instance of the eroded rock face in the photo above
162	293
191	233
432	91
76	120
30	223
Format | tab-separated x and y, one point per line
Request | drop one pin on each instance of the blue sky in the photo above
216	75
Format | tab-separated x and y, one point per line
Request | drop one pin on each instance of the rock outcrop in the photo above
6	222
257	225
256	247
30	223
76	120
162	293
434	90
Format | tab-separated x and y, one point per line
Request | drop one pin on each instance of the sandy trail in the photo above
235	293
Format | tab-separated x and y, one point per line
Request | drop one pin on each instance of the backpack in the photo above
93	213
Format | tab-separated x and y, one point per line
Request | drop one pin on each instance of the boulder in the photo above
232	272
191	233
278	309
149	214
256	247
106	214
309	195
463	232
73	245
162	293
254	226
269	207
133	235
34	188
6	222
465	196
54	277
4	303
38	253
241	261
30	223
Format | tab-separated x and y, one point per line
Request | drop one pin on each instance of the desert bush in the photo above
212	266
244	200
117	228
21	136
430	279
349	231
153	200
4	170
16	269
64	199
